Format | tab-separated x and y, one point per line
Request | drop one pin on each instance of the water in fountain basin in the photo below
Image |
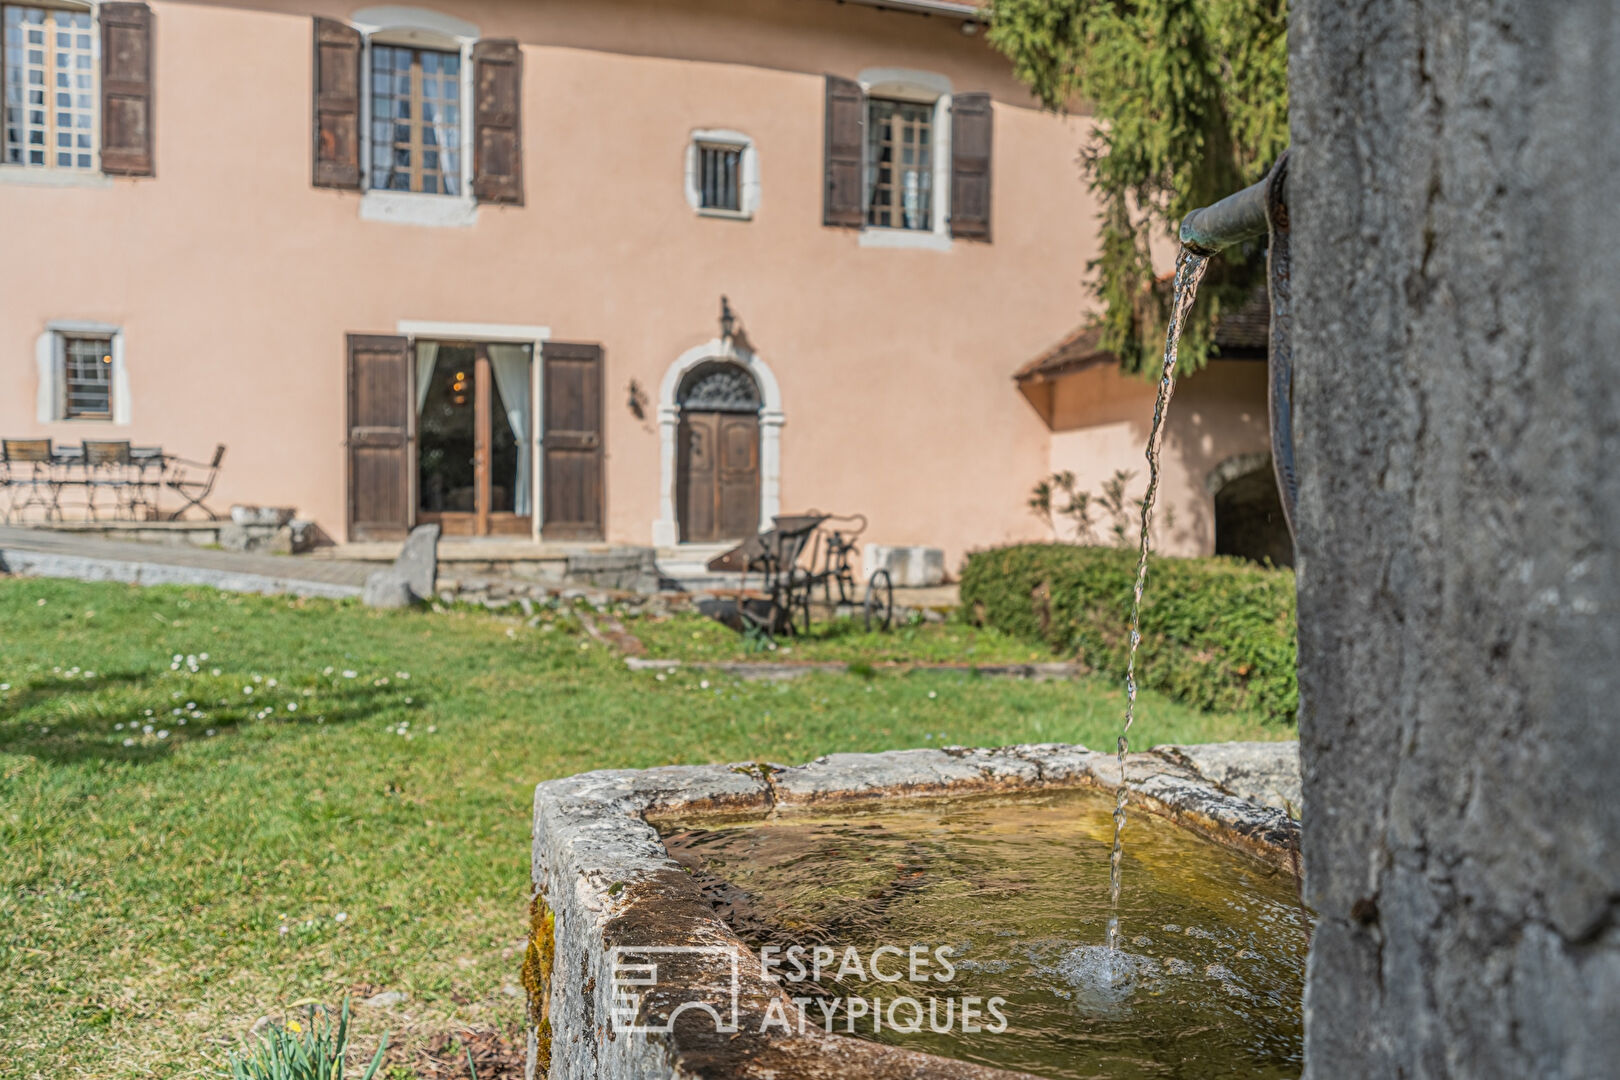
1207	985
1190	268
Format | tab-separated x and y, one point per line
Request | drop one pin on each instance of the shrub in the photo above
1217	633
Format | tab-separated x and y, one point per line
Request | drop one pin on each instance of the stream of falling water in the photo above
1190	268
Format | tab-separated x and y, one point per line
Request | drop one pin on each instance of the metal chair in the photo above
30	466
191	484
107	468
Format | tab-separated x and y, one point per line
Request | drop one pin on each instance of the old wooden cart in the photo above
802	561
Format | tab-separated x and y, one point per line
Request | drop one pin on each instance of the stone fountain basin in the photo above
603	880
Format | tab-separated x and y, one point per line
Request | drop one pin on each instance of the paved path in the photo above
43	553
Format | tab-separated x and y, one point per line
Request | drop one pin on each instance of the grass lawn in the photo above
337	800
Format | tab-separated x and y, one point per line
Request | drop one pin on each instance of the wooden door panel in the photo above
695	489
379	442
738	481
573	474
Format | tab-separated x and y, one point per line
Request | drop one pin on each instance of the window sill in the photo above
915	239
412	208
38	176
716	212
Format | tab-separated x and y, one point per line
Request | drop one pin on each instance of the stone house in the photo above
624	271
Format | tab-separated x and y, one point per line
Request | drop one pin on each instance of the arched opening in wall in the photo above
1249	520
717	460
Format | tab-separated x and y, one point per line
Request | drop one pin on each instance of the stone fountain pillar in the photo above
1455	198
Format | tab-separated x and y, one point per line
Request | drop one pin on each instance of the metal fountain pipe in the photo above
1261	209
1238	218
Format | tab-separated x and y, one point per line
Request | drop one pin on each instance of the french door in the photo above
474	450
444	431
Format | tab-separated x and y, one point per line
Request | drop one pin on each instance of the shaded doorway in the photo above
717	475
1249	520
474	454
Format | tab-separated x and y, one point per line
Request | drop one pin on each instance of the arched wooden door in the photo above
717	462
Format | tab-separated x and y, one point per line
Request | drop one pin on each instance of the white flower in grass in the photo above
932	695
282	929
202	656
326	671
270	682
258	678
248	690
40	602
163	734
292	706
178	658
215	672
402	675
342	916
147	729
5	686
704	685
175	712
210	733
148	712
432	729
129	742
118	727
191	705
349	674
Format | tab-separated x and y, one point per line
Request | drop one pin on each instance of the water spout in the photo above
1261	209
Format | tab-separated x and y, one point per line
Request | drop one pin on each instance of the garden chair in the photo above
193	481
31	473
108	470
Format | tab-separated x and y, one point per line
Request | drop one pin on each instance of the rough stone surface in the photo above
387	589
1456	259
1261	772
608	881
633	569
418	561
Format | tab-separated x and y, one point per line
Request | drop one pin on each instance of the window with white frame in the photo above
416	120
80	364
50	91
722	174
899	164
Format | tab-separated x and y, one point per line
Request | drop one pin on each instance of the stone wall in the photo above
1456	264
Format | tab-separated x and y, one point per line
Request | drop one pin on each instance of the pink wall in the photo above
1101	420
235	280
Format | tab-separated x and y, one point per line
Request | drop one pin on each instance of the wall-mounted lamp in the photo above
728	321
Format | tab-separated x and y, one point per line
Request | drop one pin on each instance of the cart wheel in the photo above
879	600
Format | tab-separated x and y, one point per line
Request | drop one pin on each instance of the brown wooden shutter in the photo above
126	89
381	406
843	202
970	166
571	403
497	122
336	123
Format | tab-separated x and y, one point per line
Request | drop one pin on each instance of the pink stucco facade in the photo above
233	280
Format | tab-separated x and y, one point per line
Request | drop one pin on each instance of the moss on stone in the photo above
538	961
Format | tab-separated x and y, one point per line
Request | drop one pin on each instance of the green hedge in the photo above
1216	633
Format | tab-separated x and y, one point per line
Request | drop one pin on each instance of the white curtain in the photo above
427	353
511	366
